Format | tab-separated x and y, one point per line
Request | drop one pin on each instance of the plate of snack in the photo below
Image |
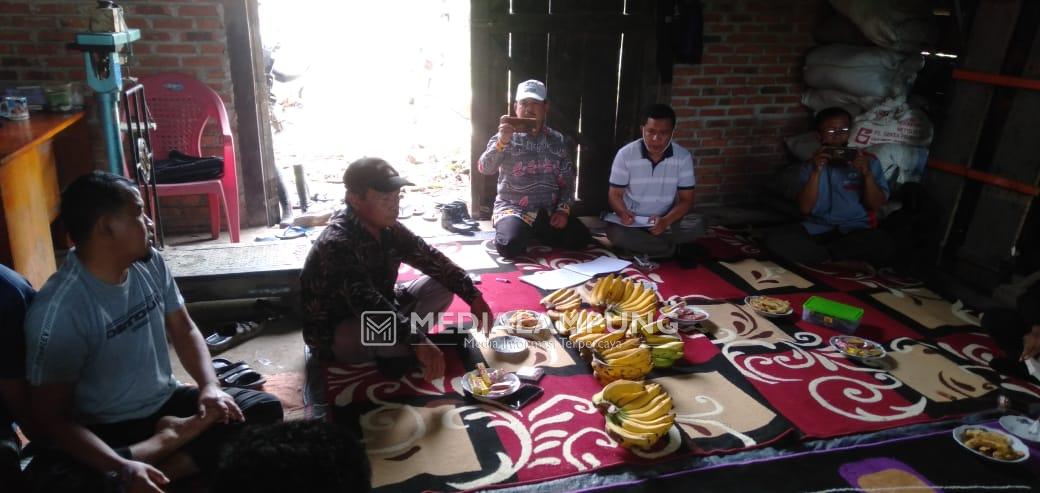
858	348
991	444
769	306
490	383
524	323
684	315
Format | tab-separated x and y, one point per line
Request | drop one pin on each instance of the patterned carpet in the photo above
747	381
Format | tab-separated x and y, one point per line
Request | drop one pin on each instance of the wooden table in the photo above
30	191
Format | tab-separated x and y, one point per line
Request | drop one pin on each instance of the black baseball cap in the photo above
374	173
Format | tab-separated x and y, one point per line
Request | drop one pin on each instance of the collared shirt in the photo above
15	296
839	201
650	189
535	172
348	272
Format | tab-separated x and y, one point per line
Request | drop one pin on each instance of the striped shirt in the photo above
535	172
650	189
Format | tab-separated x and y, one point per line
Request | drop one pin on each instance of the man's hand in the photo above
482	311
627	218
1031	344
558	220
820	159
505	130
432	360
213	399
862	164
660	225
141	477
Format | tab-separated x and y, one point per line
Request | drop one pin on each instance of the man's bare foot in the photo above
171	433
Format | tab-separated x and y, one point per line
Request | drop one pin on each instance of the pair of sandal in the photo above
237	374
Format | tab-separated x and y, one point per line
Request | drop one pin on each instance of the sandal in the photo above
223	366
244	378
232	334
292	232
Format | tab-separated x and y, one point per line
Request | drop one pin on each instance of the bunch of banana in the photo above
600	341
638	415
632	363
665	354
562	300
576	321
624	300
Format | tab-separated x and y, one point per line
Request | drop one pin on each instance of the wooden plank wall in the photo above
575	47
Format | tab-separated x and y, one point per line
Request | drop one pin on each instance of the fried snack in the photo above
990	443
861	348
768	304
523	320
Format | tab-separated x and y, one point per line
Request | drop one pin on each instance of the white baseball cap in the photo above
530	89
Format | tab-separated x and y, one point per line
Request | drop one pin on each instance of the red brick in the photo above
713	112
56	8
715	69
37	49
138	10
162	23
209	24
65	61
13	8
203	61
74	23
160	61
175	48
198	11
156	36
11	35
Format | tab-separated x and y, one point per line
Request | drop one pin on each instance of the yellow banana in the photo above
618	389
631	439
632	357
644	398
617	348
657	407
625	399
657	427
629	290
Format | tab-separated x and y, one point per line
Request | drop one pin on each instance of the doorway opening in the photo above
354	78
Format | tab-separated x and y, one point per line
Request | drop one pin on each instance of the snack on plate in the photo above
860	348
523	319
990	443
768	304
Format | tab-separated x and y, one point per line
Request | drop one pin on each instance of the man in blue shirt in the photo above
841	187
15	296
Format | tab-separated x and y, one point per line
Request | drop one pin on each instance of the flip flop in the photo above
232	334
223	366
244	378
292	232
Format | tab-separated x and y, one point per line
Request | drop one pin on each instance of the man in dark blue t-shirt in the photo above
15	296
841	187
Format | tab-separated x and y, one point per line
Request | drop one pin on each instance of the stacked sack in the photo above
872	82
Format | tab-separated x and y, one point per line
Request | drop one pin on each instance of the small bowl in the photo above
508	345
1016	444
685	316
842	344
541	329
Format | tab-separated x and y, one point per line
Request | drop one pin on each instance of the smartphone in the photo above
520	124
841	153
523	396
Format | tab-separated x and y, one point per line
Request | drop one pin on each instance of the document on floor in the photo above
638	221
574	274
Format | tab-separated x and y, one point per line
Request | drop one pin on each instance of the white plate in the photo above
672	315
507	345
496	377
1016	444
1020	427
544	324
747	301
837	344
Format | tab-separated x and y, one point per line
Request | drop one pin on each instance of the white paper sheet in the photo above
638	222
601	265
552	280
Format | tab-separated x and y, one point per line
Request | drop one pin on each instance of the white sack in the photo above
891	122
902	25
861	71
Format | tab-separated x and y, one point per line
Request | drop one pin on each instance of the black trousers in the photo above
512	234
795	244
53	470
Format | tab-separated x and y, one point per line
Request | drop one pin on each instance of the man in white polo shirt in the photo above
651	191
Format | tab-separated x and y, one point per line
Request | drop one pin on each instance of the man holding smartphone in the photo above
536	178
841	187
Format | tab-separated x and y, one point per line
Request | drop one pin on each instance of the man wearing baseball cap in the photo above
352	269
535	178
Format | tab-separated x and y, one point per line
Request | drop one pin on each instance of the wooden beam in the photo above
987	178
996	79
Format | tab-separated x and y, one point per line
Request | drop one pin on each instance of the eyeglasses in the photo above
837	131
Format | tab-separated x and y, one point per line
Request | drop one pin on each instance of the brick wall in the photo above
177	36
736	107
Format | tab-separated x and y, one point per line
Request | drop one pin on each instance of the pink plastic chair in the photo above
180	105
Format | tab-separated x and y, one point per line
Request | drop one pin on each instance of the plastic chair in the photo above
180	105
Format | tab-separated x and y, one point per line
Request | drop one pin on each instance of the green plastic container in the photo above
831	314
